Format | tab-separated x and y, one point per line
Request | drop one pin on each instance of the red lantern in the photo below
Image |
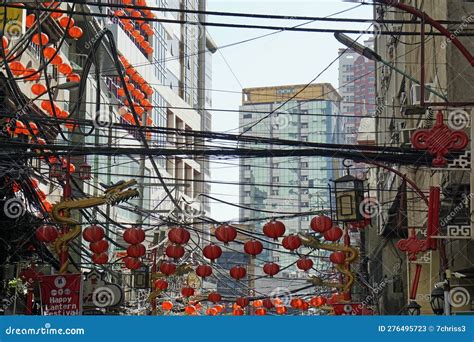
212	252
204	271
75	32
31	75
260	312
166	305
321	224
136	251
226	234
93	233
296	303
134	235
187	291
66	22
281	310
65	69
167	268
304	264
99	246
132	263
30	20
253	247
179	235
238	311
100	259
214	297
174	251
161	285
17	68
73	77
304	306
190	309
274	229
291	242
317	301
46	233
267	303
238	272
37	40
333	234
242	302
337	257
38	89
271	269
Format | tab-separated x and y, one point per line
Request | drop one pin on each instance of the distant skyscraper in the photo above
289	184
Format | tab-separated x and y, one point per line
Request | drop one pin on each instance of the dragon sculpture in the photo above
351	256
61	212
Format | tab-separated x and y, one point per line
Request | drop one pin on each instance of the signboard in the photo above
15	22
100	294
61	294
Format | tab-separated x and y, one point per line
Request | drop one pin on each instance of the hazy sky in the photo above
282	58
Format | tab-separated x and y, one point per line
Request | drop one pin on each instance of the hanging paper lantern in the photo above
190	309
38	39
242	302
179	235
204	271
238	311
291	242
99	246
304	306
212	312
49	52
57	60
212	252
253	247
333	234
167	305
304	264
337	257
238	272
120	92
187	291
257	303
274	229
93	233
73	77
134	235
296	303
167	268
214	297
66	22
226	234
321	224
161	285
317	301
64	69
136	251
46	233
31	75
100	259
75	32
132	263
17	68
38	89
281	310
56	15
29	21
267	303
271	269
260	312
174	251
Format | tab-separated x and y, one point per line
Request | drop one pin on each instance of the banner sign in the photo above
61	294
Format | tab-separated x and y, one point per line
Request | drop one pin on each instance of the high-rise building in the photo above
290	184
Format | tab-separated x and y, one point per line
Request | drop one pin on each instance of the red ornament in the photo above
187	291
226	234
99	246
132	263
238	311
167	268
321	224
46	233
134	235
253	247
439	140
296	303
100	259
214	297
174	251
93	233
179	235
136	251
337	257
274	229
260	312
317	301
267	303
413	246
271	269
242	302
161	284
304	264
238	272
204	271
212	252
333	234
291	242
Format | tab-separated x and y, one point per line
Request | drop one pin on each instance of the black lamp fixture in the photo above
437	300
349	196
413	308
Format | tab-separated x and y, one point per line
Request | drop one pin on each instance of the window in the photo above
275	179
248	116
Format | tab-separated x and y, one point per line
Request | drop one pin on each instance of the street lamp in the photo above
413	308
437	300
349	195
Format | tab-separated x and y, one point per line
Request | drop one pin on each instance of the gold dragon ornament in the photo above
61	212
351	255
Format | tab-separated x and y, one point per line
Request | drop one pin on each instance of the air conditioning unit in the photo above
416	93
